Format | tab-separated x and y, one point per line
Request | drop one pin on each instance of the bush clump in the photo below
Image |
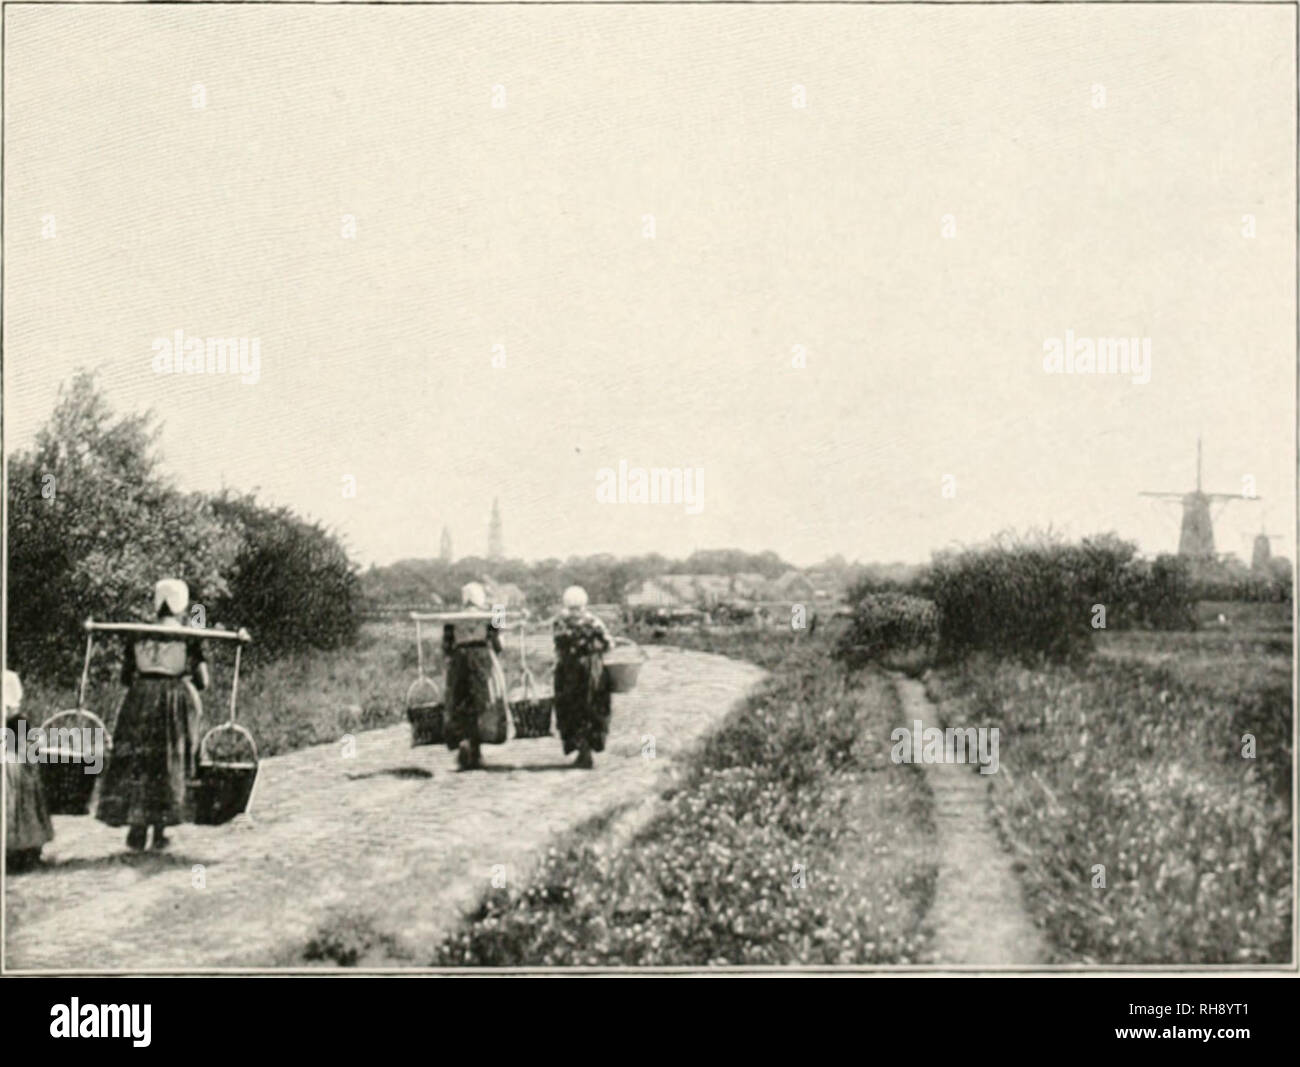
1036	597
885	623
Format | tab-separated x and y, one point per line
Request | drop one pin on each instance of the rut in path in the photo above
395	835
978	915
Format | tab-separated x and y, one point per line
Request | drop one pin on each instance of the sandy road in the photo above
394	835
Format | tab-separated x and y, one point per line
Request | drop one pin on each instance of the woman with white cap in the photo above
27	821
475	681
581	690
156	734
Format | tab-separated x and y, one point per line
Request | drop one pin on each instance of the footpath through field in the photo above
978	916
395	837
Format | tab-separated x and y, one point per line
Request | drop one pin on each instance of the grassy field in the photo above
1133	766
791	839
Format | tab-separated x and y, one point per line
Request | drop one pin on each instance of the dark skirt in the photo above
155	745
27	820
582	701
475	695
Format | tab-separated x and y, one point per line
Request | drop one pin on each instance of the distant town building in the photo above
650	593
496	545
506	594
793	586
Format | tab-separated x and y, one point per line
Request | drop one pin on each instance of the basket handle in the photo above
530	685
203	744
234	685
78	711
85	668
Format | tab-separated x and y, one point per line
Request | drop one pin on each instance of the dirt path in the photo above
978	915
395	836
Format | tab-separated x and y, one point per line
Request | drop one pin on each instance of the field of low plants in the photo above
1133	762
790	839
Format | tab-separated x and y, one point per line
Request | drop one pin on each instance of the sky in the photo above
838	312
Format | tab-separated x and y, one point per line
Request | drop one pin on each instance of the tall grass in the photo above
1134	771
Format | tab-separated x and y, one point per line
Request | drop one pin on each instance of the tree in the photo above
444	549
291	584
93	524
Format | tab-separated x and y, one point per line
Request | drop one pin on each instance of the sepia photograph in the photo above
650	488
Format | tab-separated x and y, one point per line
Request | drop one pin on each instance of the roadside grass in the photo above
794	787
764	646
1132	762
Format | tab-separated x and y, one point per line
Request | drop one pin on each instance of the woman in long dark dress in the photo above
581	690
27	820
475	681
155	739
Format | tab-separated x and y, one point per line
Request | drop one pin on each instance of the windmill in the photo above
1262	551
1197	538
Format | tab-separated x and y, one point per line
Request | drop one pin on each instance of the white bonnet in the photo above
13	689
172	592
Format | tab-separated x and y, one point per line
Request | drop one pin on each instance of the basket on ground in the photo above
531	707
424	711
67	757
225	776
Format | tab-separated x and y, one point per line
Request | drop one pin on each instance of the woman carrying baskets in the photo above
581	689
476	685
27	820
156	736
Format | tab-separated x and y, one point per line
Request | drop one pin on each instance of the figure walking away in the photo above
476	684
581	689
156	736
27	821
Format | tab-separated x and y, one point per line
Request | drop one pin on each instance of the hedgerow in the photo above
1036	597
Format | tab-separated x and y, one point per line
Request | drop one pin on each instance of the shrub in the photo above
1036	597
291	583
884	623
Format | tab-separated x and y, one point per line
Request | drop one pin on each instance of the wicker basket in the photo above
424	711
223	787
65	780
531	707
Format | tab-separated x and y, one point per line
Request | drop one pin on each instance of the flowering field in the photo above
792	840
1133	763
